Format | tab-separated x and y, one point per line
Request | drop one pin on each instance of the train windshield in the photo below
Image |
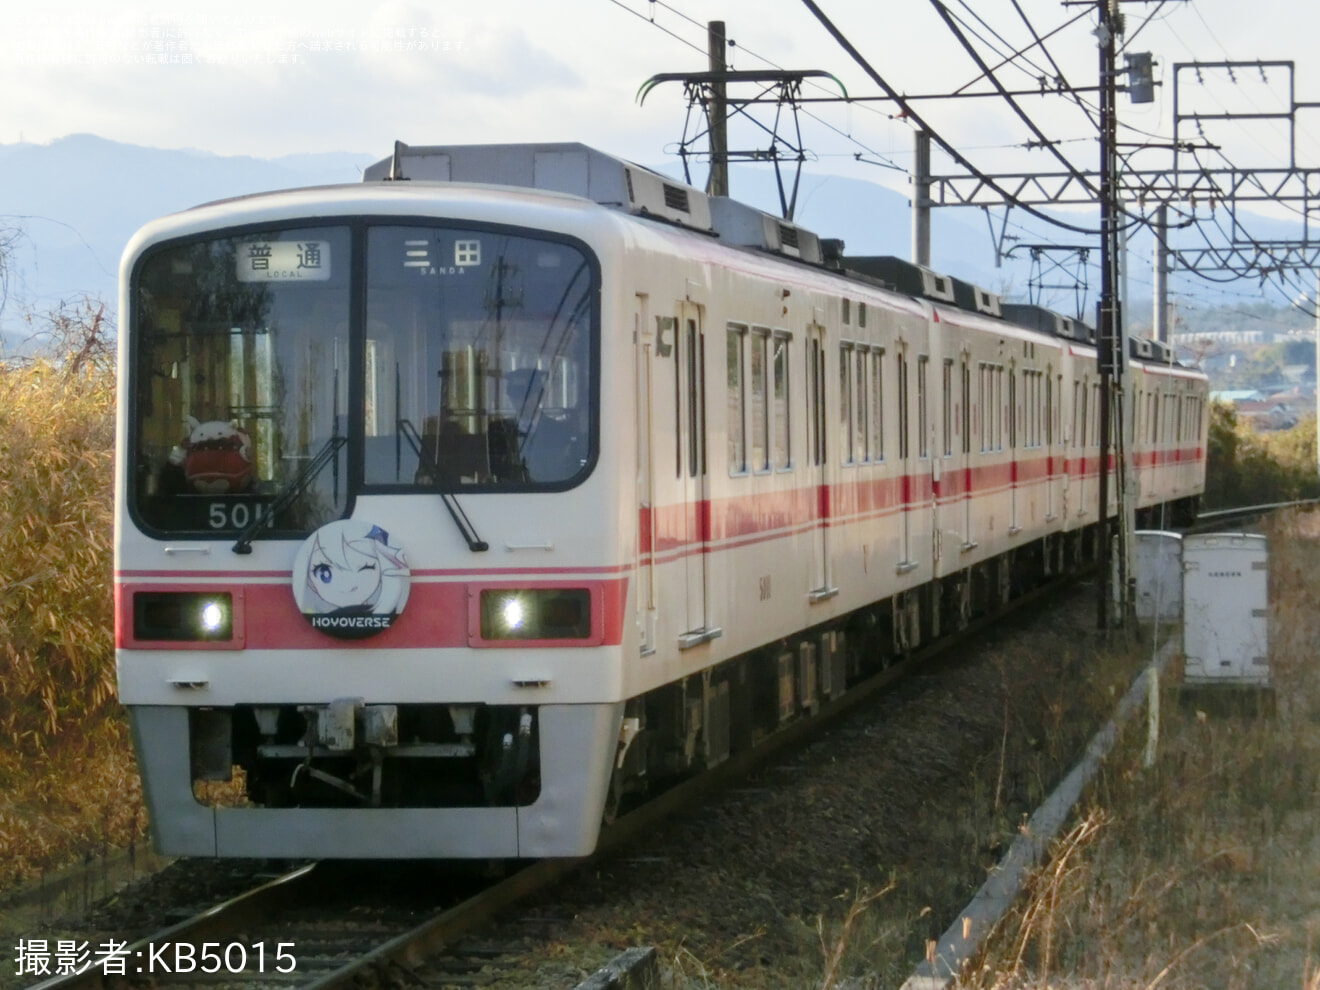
252	378
478	350
241	378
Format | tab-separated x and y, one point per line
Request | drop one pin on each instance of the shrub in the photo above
56	480
1244	467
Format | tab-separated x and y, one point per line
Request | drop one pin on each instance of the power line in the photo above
989	74
679	38
844	134
908	111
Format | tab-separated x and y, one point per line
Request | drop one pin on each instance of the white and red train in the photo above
458	505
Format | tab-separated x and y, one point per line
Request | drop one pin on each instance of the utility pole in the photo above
1161	330
921	199
1110	338
717	183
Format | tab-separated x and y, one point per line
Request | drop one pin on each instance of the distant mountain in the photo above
78	200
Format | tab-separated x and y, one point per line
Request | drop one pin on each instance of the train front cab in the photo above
303	491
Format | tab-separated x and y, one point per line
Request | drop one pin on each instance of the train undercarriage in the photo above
348	755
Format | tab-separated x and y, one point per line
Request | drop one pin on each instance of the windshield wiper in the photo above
285	498
469	533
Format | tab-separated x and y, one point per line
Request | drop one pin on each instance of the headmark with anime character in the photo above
349	581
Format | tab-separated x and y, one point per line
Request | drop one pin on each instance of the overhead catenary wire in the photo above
1033	55
691	20
989	75
908	111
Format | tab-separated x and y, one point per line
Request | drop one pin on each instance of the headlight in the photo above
183	616
535	613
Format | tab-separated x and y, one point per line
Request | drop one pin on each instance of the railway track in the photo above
330	925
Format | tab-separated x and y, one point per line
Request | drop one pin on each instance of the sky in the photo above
240	77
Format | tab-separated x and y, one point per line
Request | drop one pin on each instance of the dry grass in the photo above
1205	870
67	781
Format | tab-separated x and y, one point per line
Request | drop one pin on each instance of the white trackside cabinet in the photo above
1225	609
1159	573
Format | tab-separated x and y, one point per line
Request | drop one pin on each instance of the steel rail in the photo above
253	906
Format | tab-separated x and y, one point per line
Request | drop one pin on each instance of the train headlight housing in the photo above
183	616
535	613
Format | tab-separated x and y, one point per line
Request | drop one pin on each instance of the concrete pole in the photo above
1109	317
717	183
1162	331
921	200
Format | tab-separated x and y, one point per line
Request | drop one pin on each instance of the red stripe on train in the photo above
438	614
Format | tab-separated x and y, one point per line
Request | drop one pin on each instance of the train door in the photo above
818	479
644	568
691	463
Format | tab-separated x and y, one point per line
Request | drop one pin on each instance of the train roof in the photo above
579	170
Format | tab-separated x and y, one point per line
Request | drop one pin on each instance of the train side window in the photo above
737	399
1012	409
878	404
1049	408
982	402
845	403
782	410
1058	409
861	428
901	371
966	407
696	369
1031	407
1095	420
816	400
760	453
947	409
923	439
1001	409
1038	404
671	323
1078	414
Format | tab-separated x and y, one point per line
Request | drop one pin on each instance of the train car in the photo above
459	507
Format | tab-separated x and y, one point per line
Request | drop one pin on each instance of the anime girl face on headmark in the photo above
344	573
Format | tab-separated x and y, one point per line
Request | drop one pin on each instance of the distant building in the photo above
1226	337
1235	395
